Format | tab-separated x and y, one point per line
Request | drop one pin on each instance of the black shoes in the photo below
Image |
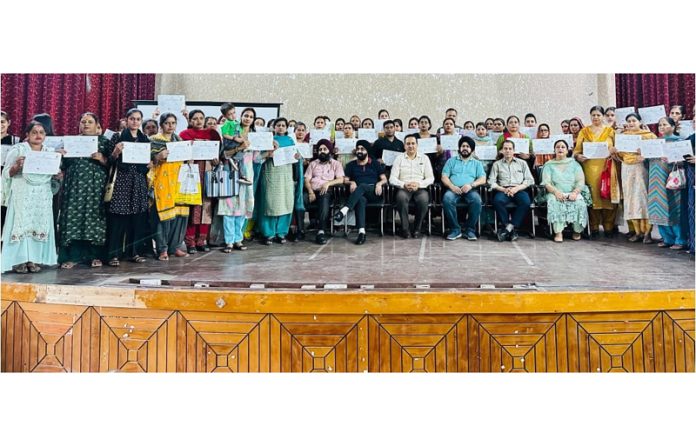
514	236
203	248
321	239
281	240
191	250
503	235
338	216
361	239
416	234
404	234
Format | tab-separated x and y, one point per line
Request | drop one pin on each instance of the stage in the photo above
391	305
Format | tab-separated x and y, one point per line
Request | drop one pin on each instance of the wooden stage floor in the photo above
394	263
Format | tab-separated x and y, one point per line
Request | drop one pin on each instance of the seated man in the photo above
321	174
365	176
461	175
509	178
412	173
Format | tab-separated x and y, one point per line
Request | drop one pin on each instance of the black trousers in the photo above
324	204
420	198
363	194
129	235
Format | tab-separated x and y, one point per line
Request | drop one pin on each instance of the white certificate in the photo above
486	153
47	163
54	142
261	140
652	148
369	135
388	156
5	151
595	150
543	146
315	135
284	155
291	131
568	138
529	131
621	113
469	133
346	145
427	145
205	150
379	125
338	134
494	136
109	134
675	151
412	131
650	115
80	146
263	129
305	150
521	145
686	129
628	143
171	103
179	151
136	152
400	135
450	142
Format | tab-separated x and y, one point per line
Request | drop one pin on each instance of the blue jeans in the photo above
522	204
473	209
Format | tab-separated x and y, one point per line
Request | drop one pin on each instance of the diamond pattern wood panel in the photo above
72	338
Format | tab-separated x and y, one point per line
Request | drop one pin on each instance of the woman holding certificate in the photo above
634	181
28	236
513	131
128	209
82	226
276	194
603	210
169	218
201	216
437	159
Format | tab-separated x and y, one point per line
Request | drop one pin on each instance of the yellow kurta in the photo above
165	183
593	168
634	177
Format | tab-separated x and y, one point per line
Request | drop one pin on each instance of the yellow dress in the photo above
593	168
634	181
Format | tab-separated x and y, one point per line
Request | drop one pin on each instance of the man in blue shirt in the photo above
461	175
365	177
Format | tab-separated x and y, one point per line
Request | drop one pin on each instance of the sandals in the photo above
239	247
114	262
96	263
138	259
557	240
227	249
21	269
677	247
662	245
577	236
67	265
33	268
180	253
163	256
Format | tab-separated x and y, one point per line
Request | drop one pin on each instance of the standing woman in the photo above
127	218
367	123
610	117
575	125
82	227
345	158
7	140
437	159
276	191
513	131
28	237
355	120
413	123
688	195
543	132
634	181
565	127
237	209
201	216
169	218
664	205
603	211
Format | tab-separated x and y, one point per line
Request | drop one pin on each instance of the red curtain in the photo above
66	96
645	90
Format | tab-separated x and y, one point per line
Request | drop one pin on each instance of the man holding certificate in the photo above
321	174
28	235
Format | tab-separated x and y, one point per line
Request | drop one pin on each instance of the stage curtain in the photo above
66	96
645	90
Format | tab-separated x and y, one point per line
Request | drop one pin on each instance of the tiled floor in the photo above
396	263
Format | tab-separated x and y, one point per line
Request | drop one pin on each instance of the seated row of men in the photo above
412	173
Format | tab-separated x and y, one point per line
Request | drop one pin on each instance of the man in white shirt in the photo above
412	173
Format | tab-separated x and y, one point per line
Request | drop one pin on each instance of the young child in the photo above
231	139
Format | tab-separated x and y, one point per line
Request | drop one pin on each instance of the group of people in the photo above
104	209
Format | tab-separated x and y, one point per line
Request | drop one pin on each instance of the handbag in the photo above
189	192
222	181
676	179
605	181
109	190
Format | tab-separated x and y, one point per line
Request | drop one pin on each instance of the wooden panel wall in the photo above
38	337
